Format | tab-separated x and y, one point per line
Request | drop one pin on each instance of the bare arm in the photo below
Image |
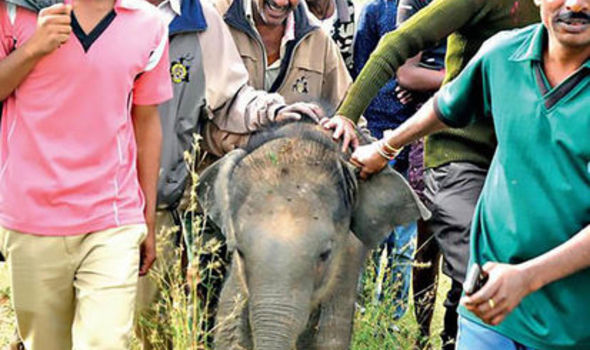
509	284
53	29
423	123
14	69
148	136
411	76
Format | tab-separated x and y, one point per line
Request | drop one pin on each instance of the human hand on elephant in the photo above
296	110
505	288
368	159
343	127
295	265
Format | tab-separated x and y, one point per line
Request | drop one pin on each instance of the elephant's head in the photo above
286	205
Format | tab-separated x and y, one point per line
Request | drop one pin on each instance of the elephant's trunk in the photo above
276	325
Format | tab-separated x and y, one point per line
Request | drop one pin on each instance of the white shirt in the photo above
169	9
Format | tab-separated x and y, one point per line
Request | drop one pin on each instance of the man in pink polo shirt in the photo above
79	157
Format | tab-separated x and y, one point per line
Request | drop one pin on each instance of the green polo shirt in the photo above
537	193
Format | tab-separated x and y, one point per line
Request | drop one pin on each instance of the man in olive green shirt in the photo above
531	229
456	161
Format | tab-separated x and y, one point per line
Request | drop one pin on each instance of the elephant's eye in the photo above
325	255
240	253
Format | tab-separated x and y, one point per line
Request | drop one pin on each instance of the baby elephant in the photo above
298	224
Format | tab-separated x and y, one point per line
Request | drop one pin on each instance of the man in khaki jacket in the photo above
211	98
285	50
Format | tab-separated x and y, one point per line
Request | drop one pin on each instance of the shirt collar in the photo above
532	49
248	11
289	28
173	5
128	4
183	16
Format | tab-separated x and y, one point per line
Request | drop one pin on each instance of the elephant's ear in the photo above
384	201
213	192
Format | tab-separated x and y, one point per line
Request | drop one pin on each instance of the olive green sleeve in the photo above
431	24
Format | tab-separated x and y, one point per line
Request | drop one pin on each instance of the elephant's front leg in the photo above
231	322
334	328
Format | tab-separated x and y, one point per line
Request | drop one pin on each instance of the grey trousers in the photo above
451	193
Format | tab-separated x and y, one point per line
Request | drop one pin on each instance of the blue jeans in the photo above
474	336
400	247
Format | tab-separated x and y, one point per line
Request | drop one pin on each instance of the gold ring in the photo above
491	303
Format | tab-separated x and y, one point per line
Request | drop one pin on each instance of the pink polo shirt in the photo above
67	147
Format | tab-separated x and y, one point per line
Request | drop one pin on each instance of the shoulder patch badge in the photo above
300	85
179	69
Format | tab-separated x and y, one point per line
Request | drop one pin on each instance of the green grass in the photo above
179	319
376	327
372	328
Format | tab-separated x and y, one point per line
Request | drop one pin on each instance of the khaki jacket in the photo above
212	97
312	69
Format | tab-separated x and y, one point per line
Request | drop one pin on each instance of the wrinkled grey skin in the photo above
299	225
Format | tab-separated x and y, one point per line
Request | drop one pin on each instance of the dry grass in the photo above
185	328
180	317
6	314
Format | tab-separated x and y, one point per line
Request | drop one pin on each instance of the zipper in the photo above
256	37
264	59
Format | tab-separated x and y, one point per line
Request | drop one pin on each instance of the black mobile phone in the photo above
474	280
35	5
46	3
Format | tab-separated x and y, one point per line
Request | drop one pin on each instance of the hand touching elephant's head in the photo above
286	205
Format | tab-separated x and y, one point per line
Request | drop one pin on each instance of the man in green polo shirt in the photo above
456	161
531	229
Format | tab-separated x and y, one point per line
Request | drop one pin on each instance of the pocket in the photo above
444	175
4	237
2	243
140	231
434	180
143	231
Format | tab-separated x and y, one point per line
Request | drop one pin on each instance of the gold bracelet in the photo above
392	152
382	153
390	148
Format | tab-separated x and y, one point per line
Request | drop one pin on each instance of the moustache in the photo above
567	16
